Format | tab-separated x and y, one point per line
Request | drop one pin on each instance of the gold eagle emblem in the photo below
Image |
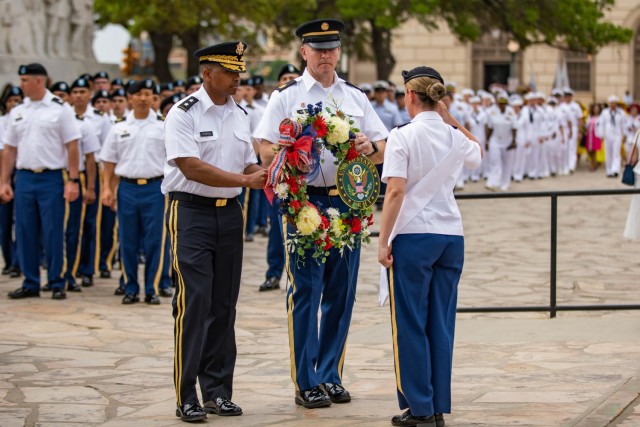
239	48
325	26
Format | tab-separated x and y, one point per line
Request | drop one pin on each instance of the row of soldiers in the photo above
113	131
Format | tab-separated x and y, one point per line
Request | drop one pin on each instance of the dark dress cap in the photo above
34	69
15	91
101	75
60	87
421	72
137	86
228	55
173	99
193	80
288	69
166	86
80	82
101	94
256	81
178	83
117	82
321	33
119	92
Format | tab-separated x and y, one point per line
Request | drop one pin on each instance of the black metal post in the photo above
554	260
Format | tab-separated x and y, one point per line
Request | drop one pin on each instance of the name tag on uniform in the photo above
18	118
125	134
206	133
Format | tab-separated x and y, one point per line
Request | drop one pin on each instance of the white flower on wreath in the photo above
308	220
282	190
336	226
333	213
339	131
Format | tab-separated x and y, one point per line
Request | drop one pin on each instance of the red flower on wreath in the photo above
324	225
352	153
293	184
328	245
356	225
320	126
296	205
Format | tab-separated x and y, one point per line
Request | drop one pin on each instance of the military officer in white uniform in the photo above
209	159
317	356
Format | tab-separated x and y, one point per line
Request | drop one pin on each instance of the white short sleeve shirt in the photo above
412	151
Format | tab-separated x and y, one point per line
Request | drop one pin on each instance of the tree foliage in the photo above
576	25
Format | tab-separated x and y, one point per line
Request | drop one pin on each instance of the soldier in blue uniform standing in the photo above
42	133
133	156
12	96
317	357
209	159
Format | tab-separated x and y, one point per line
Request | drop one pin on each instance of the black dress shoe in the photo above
439	420
191	412
23	293
248	237
6	270
223	407
313	398
15	272
166	292
152	299
336	393
105	274
130	299
407	419
46	287
119	291
87	281
270	284
74	287
59	293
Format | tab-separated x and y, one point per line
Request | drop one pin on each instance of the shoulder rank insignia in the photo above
353	86
57	100
160	117
287	85
188	103
79	117
120	119
402	125
98	112
245	111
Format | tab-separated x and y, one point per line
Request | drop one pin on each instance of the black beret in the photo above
288	69
166	86
86	76
178	83
101	94
173	99
60	87
137	86
193	80
245	82
80	82
256	81
228	55
117	82
32	70
119	92
321	33
421	72
15	91
101	75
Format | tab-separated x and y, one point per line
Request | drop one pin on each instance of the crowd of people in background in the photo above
524	135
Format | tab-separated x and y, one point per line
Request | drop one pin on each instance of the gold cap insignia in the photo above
324	26
239	48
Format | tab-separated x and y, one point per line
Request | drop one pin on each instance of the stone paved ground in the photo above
91	361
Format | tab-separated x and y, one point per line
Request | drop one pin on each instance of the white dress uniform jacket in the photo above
306	90
136	146
218	135
40	131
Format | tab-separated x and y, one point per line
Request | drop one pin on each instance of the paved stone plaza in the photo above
90	361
